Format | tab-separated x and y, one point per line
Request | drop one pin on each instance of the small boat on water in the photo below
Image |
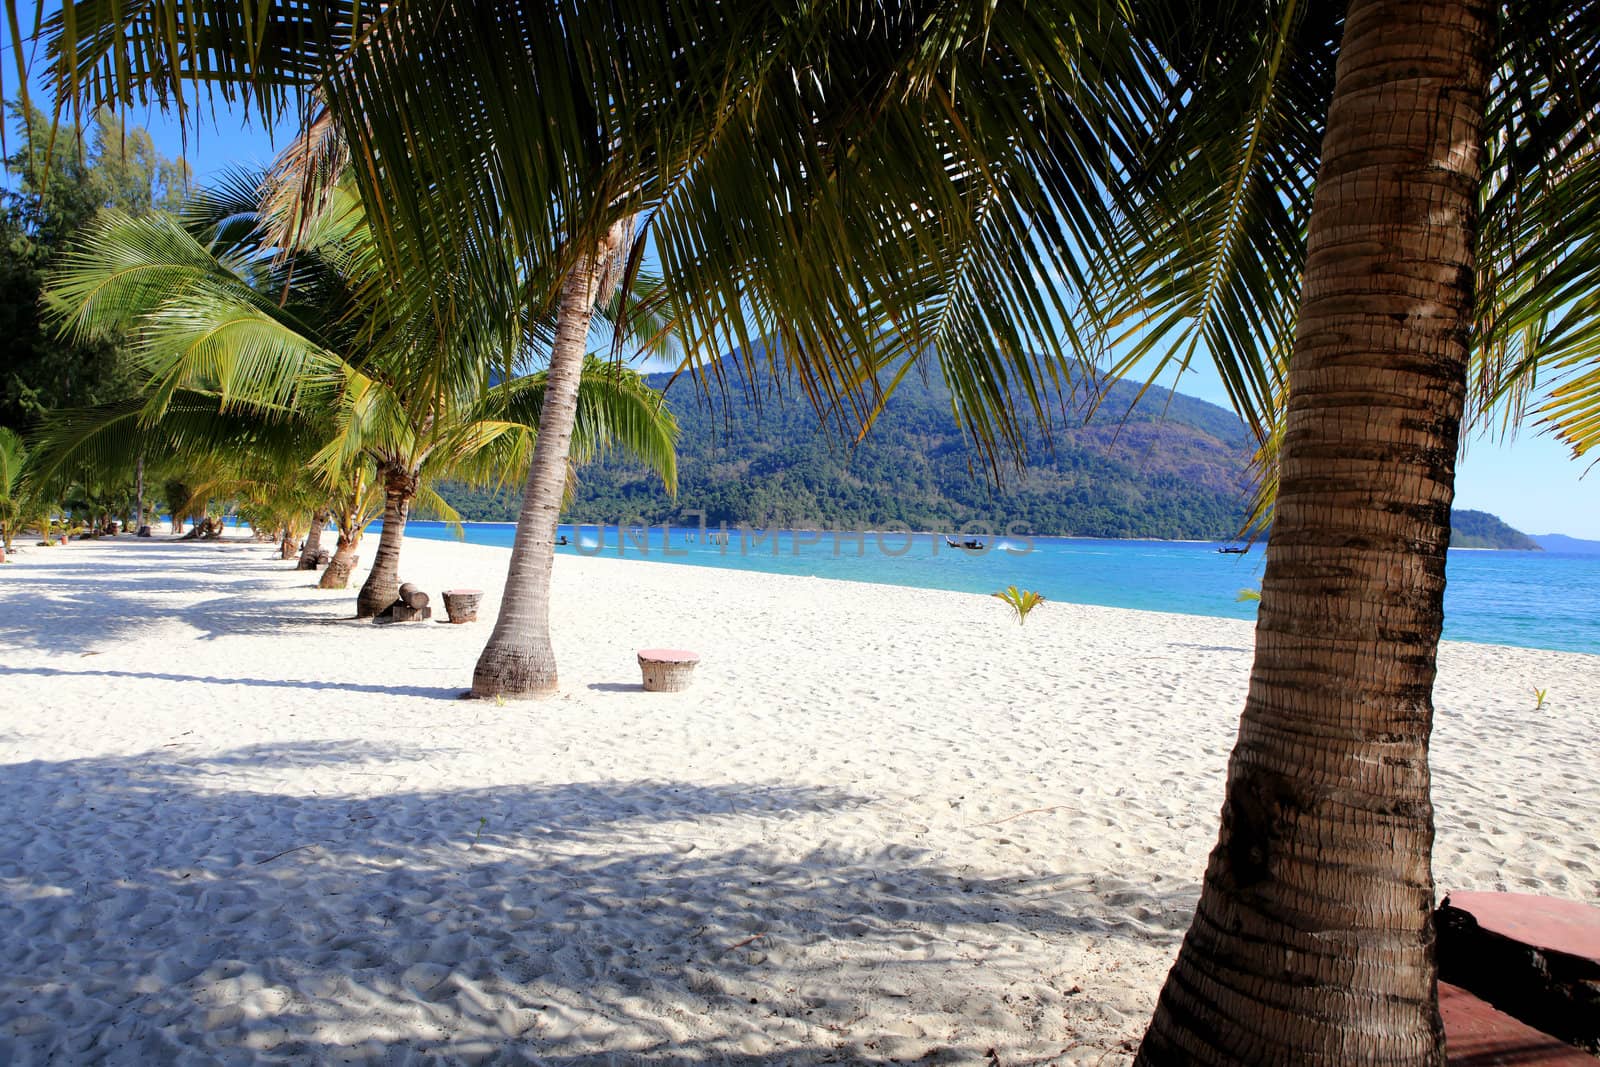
1231	551
971	544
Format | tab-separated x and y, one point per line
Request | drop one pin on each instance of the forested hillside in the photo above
1479	529
1175	467
1170	466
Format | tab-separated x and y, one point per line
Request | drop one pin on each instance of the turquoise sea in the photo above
1534	599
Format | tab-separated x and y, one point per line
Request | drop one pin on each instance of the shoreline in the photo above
941	533
655	556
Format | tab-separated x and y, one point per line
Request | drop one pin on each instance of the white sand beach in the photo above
884	824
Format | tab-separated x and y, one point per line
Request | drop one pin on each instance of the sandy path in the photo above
884	824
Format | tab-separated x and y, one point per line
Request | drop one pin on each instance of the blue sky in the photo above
1530	482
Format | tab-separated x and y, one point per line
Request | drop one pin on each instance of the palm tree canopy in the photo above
862	187
1212	257
231	371
847	188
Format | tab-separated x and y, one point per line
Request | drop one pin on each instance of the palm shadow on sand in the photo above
158	905
428	691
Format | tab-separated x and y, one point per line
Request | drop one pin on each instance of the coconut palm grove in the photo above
302	767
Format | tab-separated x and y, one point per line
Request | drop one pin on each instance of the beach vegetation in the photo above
1248	596
1539	696
1021	601
299	383
60	175
13	509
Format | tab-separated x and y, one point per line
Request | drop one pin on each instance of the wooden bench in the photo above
1522	974
1476	1034
667	670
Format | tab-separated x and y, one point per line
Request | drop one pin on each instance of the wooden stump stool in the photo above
462	604
667	670
411	607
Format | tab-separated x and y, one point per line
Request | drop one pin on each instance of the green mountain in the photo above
1479	529
1169	466
1163	465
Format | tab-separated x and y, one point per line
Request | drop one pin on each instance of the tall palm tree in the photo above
519	658
858	183
1327	828
1447	179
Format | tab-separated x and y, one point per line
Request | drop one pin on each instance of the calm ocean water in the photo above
1533	599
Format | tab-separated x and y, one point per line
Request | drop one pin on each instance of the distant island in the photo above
1162	466
1575	546
1479	529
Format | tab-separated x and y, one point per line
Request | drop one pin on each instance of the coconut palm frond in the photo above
13	456
300	186
616	409
102	444
845	191
430	504
1538	343
1211	260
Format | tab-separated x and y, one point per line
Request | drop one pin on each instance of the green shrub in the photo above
1022	601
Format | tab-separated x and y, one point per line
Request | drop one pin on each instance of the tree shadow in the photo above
155	907
617	687
431	691
71	605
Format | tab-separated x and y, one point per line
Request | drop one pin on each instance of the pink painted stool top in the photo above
668	655
1543	922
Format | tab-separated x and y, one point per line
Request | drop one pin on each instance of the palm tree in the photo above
519	659
1450	213
207	319
753	140
1314	922
12	506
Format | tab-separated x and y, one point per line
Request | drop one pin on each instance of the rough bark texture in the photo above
336	575
518	661
1312	942
287	548
383	581
313	545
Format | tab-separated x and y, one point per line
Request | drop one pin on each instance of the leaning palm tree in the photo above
1471	236
859	182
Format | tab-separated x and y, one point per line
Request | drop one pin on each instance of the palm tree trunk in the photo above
383	581
519	661
1313	941
336	575
287	547
313	542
